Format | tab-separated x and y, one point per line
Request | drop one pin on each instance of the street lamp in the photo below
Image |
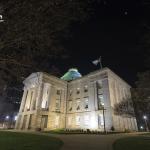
145	120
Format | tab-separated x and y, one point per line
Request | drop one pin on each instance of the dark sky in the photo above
113	32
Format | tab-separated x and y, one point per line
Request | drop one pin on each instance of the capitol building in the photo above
74	102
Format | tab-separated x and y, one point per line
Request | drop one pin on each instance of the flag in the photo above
95	62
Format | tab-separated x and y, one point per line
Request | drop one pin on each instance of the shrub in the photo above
88	131
38	129
126	130
112	128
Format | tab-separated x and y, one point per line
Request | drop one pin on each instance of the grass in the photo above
24	141
132	143
147	133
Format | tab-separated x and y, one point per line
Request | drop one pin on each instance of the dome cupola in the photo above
71	75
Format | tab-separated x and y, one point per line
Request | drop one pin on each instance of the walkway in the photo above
89	142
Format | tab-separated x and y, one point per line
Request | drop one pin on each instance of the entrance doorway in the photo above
44	121
24	122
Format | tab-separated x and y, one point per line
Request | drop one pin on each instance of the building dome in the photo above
71	75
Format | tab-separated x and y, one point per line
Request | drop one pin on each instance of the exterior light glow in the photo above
141	127
1	18
7	117
15	118
145	117
93	123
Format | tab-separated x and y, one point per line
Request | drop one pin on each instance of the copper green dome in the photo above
71	75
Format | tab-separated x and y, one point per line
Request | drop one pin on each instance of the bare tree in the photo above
31	36
125	107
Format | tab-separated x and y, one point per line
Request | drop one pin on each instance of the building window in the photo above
86	88
57	121
99	87
47	91
100	100
45	97
86	103
70	105
44	105
69	120
44	121
100	120
70	92
24	122
78	104
30	121
78	90
77	120
31	95
58	92
34	104
86	120
99	84
57	104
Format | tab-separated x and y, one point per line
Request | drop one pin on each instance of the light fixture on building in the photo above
1	18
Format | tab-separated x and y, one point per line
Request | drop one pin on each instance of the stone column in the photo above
38	105
39	96
95	96
107	104
23	102
135	124
22	106
49	96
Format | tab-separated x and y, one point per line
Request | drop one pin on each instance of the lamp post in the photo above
7	121
104	119
145	120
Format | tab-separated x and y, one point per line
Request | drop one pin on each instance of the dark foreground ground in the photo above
47	141
23	141
133	143
102	142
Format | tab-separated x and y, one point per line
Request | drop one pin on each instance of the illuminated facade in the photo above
74	102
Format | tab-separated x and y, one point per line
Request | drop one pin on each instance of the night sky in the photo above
113	32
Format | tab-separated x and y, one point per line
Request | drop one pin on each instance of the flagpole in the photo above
100	62
95	62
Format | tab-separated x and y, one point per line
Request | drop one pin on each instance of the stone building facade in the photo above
81	103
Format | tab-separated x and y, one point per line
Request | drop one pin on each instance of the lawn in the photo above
24	141
133	143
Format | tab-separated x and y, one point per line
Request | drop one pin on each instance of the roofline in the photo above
43	73
120	77
84	76
100	71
